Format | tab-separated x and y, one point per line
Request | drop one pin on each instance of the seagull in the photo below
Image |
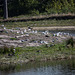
18	32
25	31
22	32
45	42
4	27
36	31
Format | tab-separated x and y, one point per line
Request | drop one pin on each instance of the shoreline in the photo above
52	28
55	28
40	17
30	54
40	60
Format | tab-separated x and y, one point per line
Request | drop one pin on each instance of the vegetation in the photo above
36	7
41	23
5	50
44	52
13	39
70	41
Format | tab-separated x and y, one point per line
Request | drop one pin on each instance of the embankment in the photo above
53	28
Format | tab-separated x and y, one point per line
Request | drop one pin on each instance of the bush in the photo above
1	50
4	50
70	42
35	12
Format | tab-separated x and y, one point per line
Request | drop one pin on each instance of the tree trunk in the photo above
5	10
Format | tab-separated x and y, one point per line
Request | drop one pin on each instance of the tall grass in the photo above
5	49
70	42
38	53
41	23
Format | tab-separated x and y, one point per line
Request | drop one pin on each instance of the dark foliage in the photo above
70	42
5	49
35	7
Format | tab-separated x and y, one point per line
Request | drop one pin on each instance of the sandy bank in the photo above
53	28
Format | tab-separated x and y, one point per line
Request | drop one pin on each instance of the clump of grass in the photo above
5	50
13	39
12	50
1	38
70	42
1	50
41	23
41	52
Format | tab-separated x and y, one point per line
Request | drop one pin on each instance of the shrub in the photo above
70	42
1	50
11	50
4	50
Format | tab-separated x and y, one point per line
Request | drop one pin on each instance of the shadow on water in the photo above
63	67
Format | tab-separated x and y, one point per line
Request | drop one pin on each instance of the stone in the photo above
1	30
46	36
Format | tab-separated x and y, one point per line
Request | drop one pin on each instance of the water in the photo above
71	32
61	67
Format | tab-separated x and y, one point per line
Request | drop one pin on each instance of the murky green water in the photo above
64	67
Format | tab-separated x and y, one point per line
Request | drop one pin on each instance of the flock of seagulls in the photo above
61	34
30	30
35	31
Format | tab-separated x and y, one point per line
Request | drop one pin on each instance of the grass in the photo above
1	38
43	52
41	23
6	50
13	39
39	53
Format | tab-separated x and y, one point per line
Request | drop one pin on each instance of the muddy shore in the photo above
8	61
53	28
21	37
31	37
